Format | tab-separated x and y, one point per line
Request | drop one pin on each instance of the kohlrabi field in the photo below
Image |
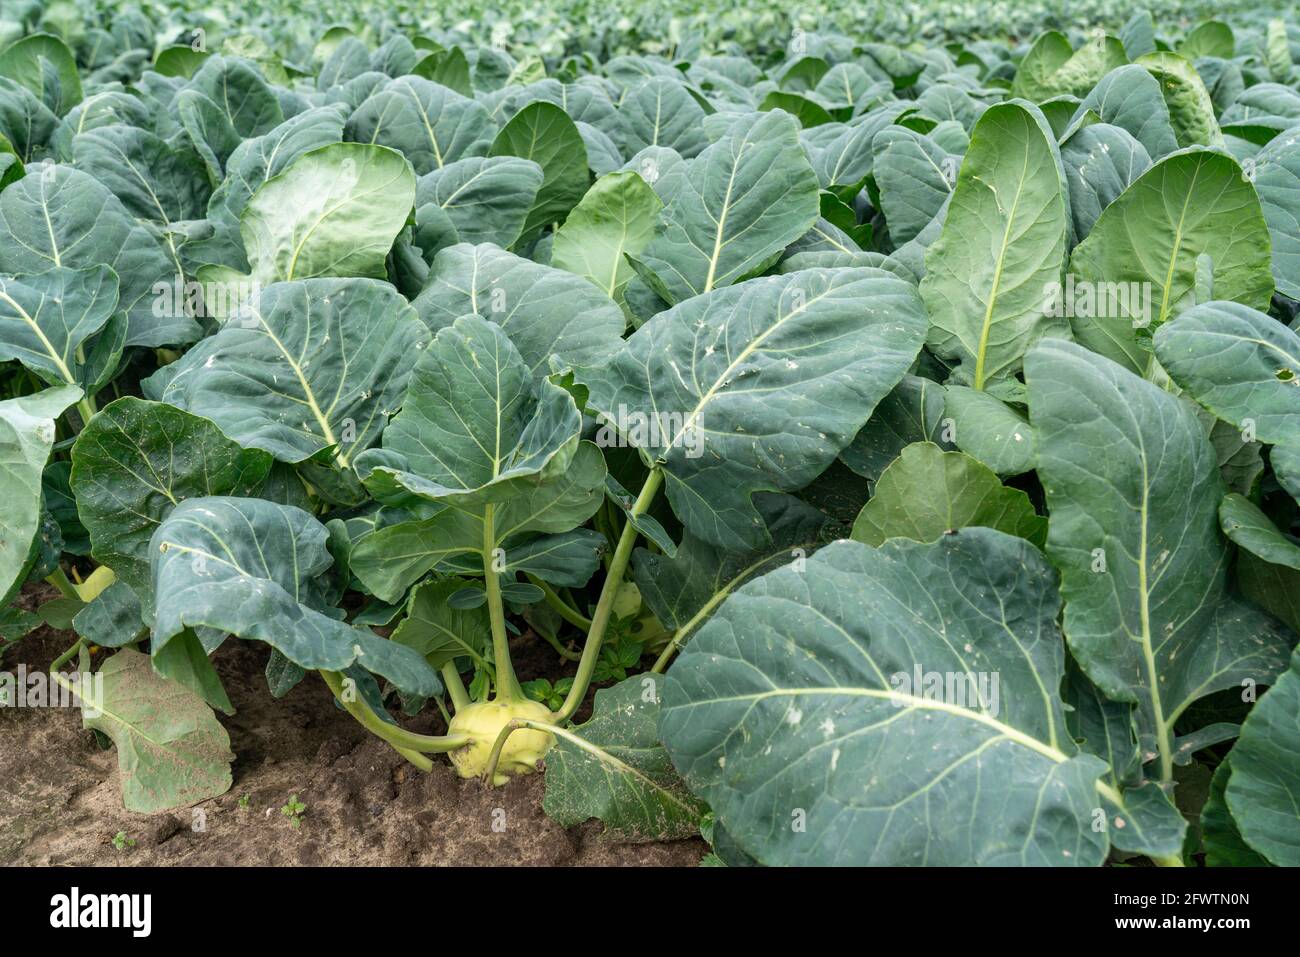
668	433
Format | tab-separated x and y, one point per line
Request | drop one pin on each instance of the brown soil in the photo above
60	802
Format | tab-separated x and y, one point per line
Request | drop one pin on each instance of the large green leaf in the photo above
208	129
476	429
731	210
544	311
758	387
171	750
845	160
440	632
1190	109
1138	34
1246	524
1142	254
253	162
1088	64
1210	38
991	431
1277	181
1002	245
153	180
660	111
913	176
1101	161
248	102
334	211
794	712
47	322
1133	490
27	125
308	365
257	570
391	559
616	216
448	67
484	199
1241	364
431	124
567	559
1281	65
1224	846
137	460
613	768
1285	460
1130	98
26	437
1264	787
543	133
44	64
65	217
1049	53
1051	68
928	492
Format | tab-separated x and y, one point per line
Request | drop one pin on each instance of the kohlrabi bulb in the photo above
483	722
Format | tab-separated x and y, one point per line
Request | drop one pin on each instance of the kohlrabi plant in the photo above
901	438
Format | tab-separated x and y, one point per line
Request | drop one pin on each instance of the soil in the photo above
60	802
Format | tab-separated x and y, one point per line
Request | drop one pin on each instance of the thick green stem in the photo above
494	757
64	658
1172	860
455	687
407	743
86	408
560	606
605	604
60	581
665	656
507	684
560	650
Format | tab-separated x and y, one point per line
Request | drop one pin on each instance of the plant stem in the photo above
507	684
605	604
494	756
64	658
560	650
560	606
60	581
87	409
407	743
1172	860
455	687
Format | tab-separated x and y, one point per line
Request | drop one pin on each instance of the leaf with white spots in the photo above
260	571
137	460
758	387
796	712
1133	491
308	365
613	768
